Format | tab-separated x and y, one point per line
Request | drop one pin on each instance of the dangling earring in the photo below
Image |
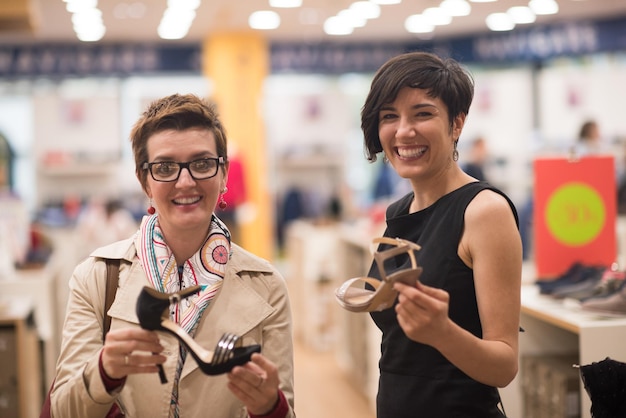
222	203
455	153
151	210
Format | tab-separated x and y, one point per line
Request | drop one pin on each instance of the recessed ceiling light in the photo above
418	24
521	15
336	25
351	18
437	16
500	22
543	7
264	20
456	7
366	9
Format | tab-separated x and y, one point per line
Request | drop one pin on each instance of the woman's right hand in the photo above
131	351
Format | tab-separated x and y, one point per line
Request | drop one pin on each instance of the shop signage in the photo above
100	59
574	213
534	44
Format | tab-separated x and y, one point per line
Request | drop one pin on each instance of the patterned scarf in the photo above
206	268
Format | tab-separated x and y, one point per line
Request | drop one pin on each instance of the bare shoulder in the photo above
488	206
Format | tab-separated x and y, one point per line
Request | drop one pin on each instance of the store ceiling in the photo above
35	21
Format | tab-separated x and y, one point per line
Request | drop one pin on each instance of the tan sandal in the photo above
353	296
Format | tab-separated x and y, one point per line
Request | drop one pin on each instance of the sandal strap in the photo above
343	289
400	246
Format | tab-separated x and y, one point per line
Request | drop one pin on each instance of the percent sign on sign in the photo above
575	214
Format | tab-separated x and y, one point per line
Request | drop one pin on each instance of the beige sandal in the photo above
353	296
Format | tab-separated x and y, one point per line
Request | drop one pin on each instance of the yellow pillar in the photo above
237	64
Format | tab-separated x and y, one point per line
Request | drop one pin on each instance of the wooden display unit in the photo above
21	391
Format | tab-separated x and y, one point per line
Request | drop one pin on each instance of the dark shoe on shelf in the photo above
153	313
611	282
354	295
577	290
612	305
576	274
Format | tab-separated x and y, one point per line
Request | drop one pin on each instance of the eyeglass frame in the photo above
148	166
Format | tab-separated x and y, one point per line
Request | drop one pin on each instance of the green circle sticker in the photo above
575	214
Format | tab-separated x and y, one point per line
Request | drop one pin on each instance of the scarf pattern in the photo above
205	268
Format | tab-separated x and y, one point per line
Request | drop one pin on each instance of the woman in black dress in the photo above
451	339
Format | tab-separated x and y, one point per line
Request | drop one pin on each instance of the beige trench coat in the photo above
253	302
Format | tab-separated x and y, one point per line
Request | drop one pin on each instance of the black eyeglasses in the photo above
201	169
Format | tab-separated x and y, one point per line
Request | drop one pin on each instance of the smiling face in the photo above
185	206
416	135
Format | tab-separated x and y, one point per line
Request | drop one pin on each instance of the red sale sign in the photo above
574	213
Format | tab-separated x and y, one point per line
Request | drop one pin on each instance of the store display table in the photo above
561	327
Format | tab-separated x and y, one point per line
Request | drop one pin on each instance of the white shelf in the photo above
553	326
562	314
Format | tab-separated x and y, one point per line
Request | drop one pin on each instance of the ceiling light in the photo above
86	19
285	3
93	34
521	15
437	16
175	23
499	22
543	7
418	24
335	25
88	25
352	19
366	9
264	20
177	18
456	7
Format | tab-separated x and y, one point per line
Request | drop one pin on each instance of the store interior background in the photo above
68	137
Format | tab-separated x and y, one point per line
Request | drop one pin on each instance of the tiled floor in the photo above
322	390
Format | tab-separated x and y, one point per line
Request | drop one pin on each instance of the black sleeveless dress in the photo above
415	379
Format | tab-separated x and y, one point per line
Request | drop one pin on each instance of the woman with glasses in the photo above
180	273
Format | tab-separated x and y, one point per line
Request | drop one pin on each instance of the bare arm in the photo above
491	245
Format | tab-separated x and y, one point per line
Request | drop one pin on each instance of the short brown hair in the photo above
177	112
442	78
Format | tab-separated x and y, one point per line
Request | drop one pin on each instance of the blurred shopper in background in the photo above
475	166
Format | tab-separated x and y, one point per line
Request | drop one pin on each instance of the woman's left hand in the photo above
255	384
422	312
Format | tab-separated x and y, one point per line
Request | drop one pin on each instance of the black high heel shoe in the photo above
153	313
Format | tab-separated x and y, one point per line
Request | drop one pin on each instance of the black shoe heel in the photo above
153	314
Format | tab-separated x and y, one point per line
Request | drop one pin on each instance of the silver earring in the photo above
455	153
